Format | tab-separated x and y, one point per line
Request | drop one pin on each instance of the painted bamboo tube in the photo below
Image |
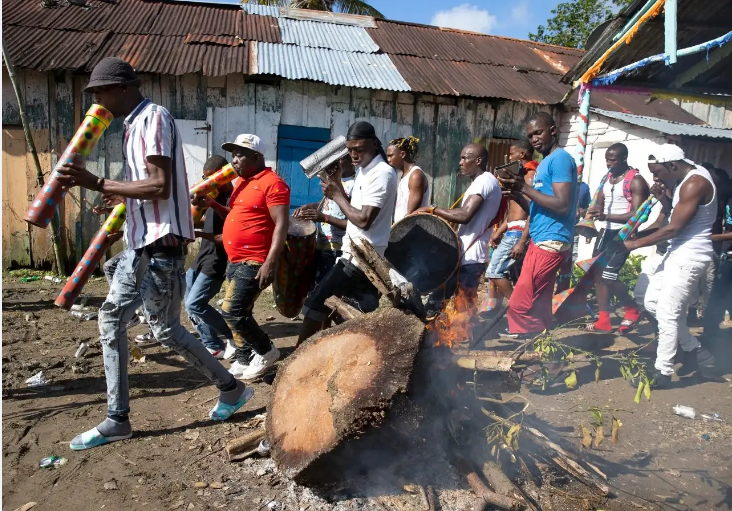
216	180
639	217
198	211
44	206
91	258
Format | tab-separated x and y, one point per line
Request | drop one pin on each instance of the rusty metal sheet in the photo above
28	47
667	127
121	17
633	104
260	28
181	19
355	20
220	40
444	77
221	61
29	14
397	38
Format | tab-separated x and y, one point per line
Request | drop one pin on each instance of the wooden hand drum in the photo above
425	250
295	272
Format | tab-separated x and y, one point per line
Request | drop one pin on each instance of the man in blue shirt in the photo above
552	215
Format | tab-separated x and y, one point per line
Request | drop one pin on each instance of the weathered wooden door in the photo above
294	143
16	235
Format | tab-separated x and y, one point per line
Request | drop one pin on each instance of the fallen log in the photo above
244	443
499	481
345	310
493	360
337	386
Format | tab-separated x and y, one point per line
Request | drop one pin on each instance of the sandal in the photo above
590	328
627	325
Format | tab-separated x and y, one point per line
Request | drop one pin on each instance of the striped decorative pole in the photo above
585	94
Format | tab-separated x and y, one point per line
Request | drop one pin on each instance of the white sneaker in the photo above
260	364
237	369
230	350
147	339
217	354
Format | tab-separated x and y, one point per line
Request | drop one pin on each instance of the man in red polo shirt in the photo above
254	235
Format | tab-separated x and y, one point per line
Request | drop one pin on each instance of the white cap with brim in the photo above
668	152
244	141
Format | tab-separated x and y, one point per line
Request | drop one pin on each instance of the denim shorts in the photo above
501	259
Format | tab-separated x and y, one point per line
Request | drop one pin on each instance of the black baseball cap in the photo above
112	71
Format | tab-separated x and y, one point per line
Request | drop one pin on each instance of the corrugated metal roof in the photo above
445	77
221	40
260	28
637	105
316	34
668	127
70	50
262	10
103	15
182	19
366	70
698	22
442	44
340	18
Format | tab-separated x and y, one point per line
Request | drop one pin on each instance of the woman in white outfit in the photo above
675	283
414	190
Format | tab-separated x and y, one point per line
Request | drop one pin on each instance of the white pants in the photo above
649	265
673	287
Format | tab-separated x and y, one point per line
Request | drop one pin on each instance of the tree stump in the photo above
336	387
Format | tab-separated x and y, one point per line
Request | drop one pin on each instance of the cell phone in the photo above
509	170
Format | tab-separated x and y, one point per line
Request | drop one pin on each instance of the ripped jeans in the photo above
157	283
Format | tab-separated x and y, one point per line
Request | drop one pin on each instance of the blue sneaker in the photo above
222	411
93	438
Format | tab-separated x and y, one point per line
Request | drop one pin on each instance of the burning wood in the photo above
456	323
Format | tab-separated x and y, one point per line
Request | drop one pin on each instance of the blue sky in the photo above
515	18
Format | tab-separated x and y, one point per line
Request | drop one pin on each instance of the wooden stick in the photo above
499	481
431	498
342	308
493	360
492	498
244	443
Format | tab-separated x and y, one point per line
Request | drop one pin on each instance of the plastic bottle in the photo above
30	279
81	350
685	411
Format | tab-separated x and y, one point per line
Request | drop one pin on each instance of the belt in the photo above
329	245
159	251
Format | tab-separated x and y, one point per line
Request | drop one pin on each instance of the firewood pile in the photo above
381	389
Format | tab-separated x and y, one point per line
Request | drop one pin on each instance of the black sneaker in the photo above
707	365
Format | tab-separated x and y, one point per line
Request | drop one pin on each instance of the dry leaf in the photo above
26	507
586	437
599	436
616	429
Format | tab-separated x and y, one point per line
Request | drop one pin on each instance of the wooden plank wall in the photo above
55	105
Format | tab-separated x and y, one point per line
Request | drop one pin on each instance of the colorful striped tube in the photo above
89	262
198	212
584	114
225	175
638	218
44	206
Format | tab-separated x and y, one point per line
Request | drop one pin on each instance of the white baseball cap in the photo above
245	141
666	153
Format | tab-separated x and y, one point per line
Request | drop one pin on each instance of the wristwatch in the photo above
100	184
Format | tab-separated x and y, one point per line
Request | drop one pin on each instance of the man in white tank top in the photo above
672	288
414	190
622	194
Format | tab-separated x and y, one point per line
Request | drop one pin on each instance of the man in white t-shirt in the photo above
477	212
369	214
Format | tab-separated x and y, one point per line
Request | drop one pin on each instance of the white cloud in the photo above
465	17
520	13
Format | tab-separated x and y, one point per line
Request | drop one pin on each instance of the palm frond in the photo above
356	7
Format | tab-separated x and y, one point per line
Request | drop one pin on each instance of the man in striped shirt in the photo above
150	271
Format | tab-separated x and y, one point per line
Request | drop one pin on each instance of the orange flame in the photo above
454	326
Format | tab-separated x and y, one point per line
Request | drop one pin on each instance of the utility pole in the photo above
55	224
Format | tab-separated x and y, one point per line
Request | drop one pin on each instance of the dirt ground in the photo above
175	459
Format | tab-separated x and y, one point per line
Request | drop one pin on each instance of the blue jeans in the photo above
200	290
158	284
720	299
501	258
467	278
242	290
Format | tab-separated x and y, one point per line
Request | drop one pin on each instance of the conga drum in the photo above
425	250
295	272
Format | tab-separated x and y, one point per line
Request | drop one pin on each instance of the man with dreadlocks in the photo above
414	190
